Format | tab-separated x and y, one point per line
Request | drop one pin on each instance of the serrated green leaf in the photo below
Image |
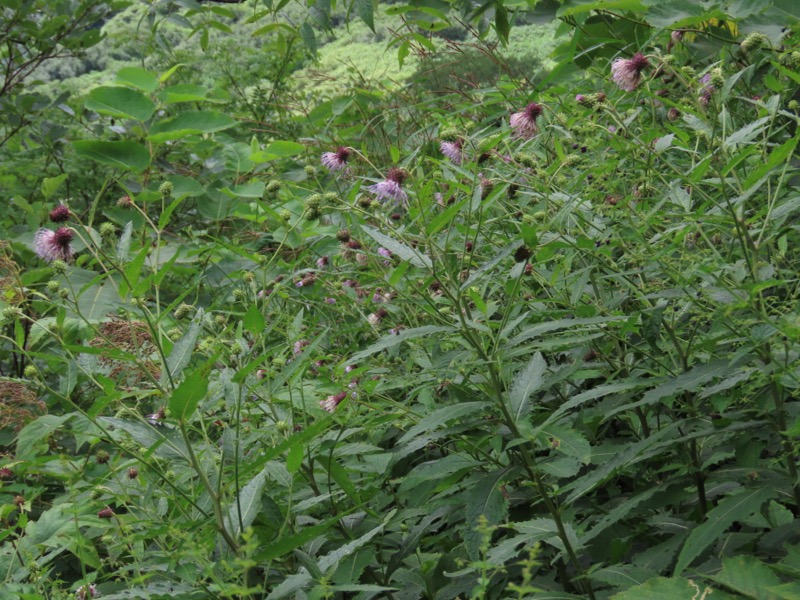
528	381
392	340
404	252
718	519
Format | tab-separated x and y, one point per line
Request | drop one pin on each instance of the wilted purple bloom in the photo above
330	300
264	293
54	245
384	252
452	150
524	122
612	129
391	187
708	89
331	402
627	72
86	591
298	346
580	98
336	161
349	368
676	35
322	262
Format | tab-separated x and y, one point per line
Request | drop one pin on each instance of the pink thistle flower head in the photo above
524	122
453	151
384	252
336	161
391	188
627	72
54	245
331	402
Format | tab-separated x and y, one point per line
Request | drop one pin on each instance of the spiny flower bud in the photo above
102	457
285	215
220	320
12	312
754	41
31	372
133	473
330	197
108	229
273	186
174	334
63	293
183	310
165	189
310	170
59	266
59	214
53	286
124	202
717	80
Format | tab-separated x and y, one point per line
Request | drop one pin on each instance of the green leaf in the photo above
138	78
569	442
182	350
501	24
243	510
123	155
527	381
276	150
330	560
690	381
365	10
401	250
51	184
392	340
485	498
673	588
295	458
33	436
121	102
746	133
575	7
124	243
747	576
187	395
489	265
286	544
190	123
722	516
439	417
309	39
254	321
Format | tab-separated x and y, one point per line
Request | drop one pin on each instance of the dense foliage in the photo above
517	319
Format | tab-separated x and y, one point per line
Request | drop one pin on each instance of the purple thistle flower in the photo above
336	161
452	150
331	402
323	262
627	72
384	252
54	245
330	300
524	122
391	187
298	347
350	368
